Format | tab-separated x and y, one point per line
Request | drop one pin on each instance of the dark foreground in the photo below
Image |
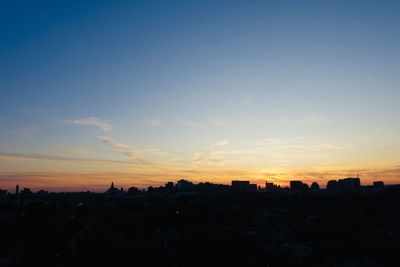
256	229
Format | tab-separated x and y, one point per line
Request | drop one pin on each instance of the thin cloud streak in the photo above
215	154
92	121
222	142
198	156
22	156
216	157
124	149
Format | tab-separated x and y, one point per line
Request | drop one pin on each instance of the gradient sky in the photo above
144	92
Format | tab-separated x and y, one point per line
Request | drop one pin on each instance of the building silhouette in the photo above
271	186
344	185
349	184
113	191
3	192
332	186
243	186
26	192
184	185
298	186
132	191
379	185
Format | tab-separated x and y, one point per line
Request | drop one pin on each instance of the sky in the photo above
145	92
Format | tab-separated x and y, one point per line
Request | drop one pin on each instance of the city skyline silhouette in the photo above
192	133
143	93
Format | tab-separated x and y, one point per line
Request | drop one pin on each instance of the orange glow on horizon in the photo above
100	181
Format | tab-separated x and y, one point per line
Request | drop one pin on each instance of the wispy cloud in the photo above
198	156
124	149
222	142
22	156
92	121
213	155
216	156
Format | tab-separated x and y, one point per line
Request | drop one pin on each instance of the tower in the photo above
17	189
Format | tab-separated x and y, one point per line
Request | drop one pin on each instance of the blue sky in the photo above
169	80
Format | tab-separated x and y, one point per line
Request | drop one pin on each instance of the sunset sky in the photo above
145	92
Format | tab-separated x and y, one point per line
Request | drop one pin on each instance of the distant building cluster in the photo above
344	185
243	186
185	187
